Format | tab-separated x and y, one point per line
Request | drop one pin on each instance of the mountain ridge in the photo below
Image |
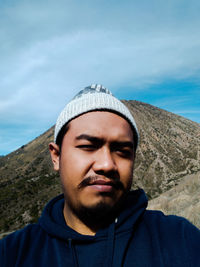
168	151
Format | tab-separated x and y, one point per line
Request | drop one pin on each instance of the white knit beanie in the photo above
91	98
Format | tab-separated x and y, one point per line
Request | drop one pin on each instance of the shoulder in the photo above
21	234
172	227
171	221
12	245
175	236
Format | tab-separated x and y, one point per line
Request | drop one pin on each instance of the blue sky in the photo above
49	50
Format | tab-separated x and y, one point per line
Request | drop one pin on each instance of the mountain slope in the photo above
168	151
182	200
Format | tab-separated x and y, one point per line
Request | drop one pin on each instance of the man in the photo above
98	221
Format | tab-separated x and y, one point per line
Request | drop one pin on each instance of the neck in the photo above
76	224
89	221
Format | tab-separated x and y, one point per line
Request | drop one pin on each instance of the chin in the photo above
102	212
96	213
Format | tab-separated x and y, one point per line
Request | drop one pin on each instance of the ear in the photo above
55	155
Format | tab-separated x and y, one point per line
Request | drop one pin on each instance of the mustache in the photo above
92	179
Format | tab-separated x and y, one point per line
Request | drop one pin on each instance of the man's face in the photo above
96	160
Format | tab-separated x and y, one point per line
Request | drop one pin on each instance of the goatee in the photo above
99	215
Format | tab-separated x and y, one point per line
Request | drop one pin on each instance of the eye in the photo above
123	152
87	147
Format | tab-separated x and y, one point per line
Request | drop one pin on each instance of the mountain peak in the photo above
168	151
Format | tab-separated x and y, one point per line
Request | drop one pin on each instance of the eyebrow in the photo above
124	143
95	139
90	138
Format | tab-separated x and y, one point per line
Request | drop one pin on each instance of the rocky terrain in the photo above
167	158
182	200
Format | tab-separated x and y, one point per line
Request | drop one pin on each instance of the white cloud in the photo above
48	52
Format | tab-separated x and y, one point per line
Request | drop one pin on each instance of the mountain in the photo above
182	200
169	148
167	154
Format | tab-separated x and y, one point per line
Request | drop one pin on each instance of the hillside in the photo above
182	200
168	152
169	148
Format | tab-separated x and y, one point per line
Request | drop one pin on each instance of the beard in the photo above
99	215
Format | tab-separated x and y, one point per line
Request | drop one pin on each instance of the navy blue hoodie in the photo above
137	238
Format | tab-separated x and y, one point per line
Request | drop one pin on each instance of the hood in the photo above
52	220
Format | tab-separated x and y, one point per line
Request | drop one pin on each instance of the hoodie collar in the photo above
53	222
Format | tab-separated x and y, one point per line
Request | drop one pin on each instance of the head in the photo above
94	152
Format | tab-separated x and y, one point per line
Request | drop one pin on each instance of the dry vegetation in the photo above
182	200
168	152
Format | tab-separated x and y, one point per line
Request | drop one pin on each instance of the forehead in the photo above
102	124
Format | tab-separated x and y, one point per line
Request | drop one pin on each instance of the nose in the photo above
104	161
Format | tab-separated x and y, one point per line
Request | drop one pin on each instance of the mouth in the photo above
103	185
101	182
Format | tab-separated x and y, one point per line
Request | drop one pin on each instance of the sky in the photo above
49	50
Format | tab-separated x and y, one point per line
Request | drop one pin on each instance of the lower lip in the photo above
102	187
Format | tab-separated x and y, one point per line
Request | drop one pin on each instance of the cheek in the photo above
74	167
83	161
126	173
